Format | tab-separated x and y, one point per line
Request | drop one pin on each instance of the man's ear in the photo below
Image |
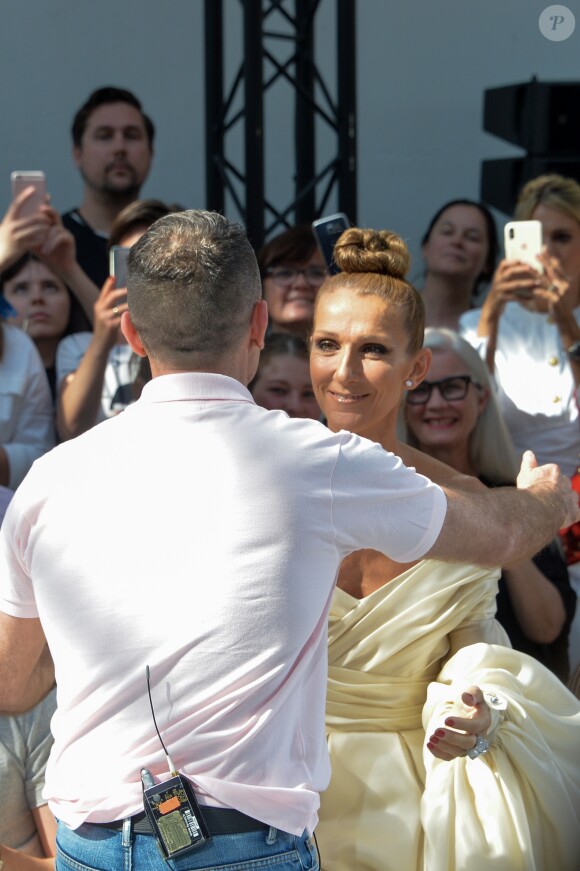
76	153
259	323
131	334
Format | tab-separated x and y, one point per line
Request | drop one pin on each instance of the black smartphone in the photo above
118	264
327	231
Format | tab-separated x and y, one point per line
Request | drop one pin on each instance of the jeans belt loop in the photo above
126	830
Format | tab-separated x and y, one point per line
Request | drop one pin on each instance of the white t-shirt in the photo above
120	373
26	412
201	535
536	389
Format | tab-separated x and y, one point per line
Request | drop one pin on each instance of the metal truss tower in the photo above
279	46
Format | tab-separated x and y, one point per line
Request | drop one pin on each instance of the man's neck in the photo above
100	211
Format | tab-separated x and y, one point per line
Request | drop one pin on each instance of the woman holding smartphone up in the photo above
528	329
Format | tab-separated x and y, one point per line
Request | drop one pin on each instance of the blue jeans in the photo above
95	848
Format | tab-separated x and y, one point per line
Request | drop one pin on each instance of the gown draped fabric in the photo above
398	662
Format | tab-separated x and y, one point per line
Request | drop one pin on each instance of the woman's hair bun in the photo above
380	251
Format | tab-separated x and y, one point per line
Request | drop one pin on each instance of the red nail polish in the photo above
434	740
450	723
440	733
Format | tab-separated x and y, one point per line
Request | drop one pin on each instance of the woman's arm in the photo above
14	860
512	281
58	252
21	234
46	828
537	604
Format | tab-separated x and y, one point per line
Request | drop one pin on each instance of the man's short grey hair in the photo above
192	284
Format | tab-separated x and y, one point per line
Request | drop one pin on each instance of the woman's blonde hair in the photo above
490	446
375	263
554	191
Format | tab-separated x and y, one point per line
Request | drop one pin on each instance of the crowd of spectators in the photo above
510	384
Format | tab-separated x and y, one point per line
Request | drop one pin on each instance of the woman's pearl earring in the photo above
408	383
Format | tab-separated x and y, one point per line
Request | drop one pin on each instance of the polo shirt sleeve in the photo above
16	590
379	503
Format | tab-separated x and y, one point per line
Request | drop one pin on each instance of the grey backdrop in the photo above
423	66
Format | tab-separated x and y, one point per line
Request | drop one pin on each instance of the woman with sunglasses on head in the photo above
439	734
292	270
454	416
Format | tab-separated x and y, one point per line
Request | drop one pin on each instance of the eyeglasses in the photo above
451	389
284	276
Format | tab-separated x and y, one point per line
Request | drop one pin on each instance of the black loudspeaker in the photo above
542	117
502	180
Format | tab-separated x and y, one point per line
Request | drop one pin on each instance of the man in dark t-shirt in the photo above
113	149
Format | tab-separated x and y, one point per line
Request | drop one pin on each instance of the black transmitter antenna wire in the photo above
172	768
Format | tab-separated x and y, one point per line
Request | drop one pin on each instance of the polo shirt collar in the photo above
195	385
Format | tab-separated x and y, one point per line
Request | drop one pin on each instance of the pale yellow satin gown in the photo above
398	662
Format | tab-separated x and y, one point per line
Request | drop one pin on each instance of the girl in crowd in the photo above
459	252
42	305
283	377
454	417
96	372
413	648
292	270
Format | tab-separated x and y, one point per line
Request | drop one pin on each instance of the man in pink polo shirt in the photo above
198	535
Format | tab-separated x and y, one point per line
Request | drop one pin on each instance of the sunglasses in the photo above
451	389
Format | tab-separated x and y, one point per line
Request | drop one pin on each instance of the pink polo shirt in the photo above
200	535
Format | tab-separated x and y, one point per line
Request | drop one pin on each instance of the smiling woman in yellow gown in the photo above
406	642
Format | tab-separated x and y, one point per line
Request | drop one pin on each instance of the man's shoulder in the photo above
71	218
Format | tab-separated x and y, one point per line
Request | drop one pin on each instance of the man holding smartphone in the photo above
200	545
113	150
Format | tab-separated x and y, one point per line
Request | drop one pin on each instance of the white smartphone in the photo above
118	264
22	179
523	241
327	231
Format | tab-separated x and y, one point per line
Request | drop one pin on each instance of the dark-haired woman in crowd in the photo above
292	270
459	252
283	377
448	749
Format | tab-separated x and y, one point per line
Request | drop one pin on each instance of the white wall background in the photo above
423	66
